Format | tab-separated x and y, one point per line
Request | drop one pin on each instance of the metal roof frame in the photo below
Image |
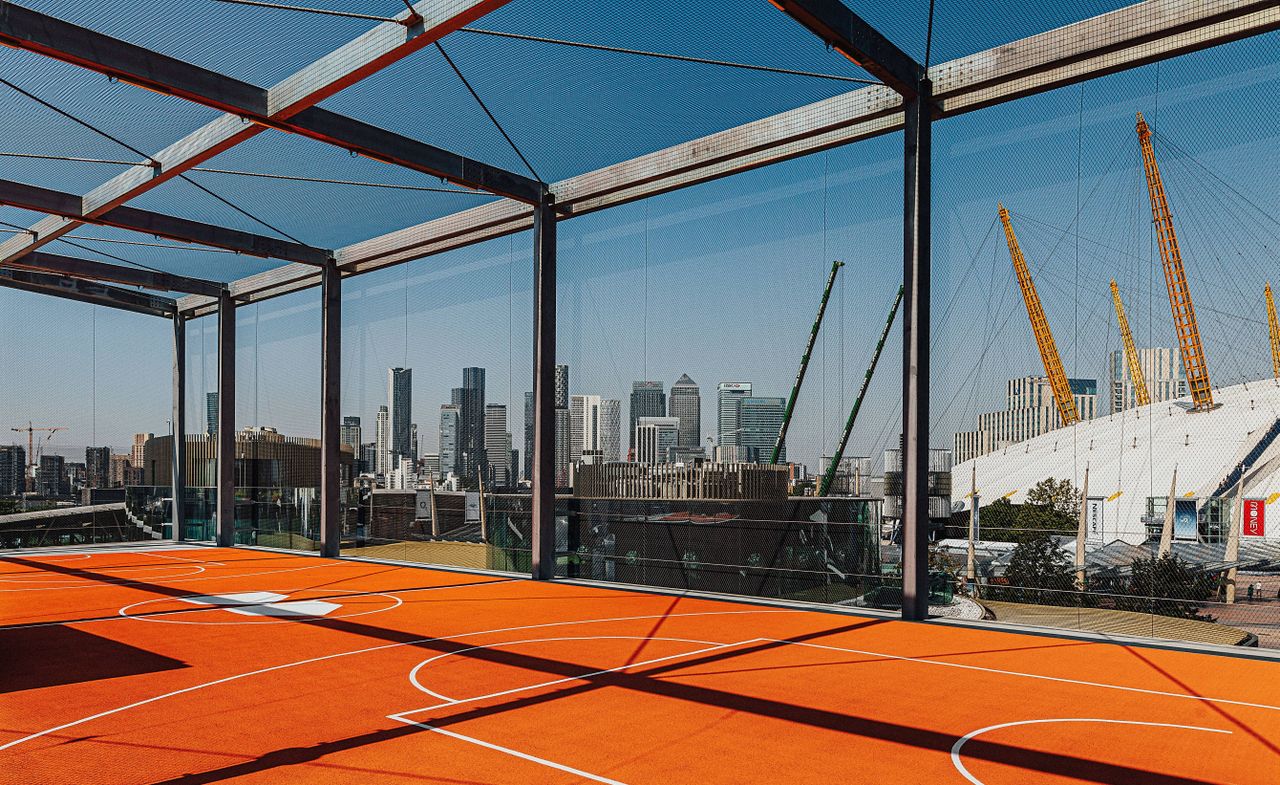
1116	41
90	270
91	292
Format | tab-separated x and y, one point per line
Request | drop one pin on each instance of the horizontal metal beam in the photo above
851	36
367	54
1126	38
88	292
45	35
90	270
58	203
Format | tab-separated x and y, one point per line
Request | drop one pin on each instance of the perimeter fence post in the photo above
544	413
330	405
225	517
178	471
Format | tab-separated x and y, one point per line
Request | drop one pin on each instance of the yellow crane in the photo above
1274	328
1140	393
1062	396
1175	277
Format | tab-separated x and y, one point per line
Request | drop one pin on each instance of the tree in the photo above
1058	496
1040	572
1167	586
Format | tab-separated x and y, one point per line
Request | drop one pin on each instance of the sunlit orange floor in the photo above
205	665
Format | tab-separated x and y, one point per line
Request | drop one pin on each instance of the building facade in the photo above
647	400
759	420
97	467
399	414
1029	411
382	442
450	423
610	429
1161	369
728	396
469	398
497	444
13	470
656	438
685	402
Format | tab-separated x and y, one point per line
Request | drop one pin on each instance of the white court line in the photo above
1041	677
92	584
413	674
383	647
396	602
508	751
68	581
450	703
179	558
960	742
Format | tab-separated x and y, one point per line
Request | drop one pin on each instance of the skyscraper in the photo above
497	444
13	468
136	452
686	403
610	427
528	436
758	422
1162	370
562	387
562	448
400	414
382	442
584	426
469	398
97	467
211	414
349	433
647	400
728	396
450	421
655	438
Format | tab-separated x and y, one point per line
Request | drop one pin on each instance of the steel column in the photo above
544	370
330	403
917	152
225	517
179	430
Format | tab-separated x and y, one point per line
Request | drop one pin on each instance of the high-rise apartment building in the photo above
497	442
609	425
562	387
382	440
120	472
210	415
685	402
469	398
400	414
450	424
1161	369
655	439
13	468
1029	411
647	400
759	419
728	396
528	435
97	467
562	447
136	451
349	432
51	476
584	427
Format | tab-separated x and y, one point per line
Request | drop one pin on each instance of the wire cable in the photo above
665	56
308	10
480	101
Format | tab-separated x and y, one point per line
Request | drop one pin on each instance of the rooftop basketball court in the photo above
196	665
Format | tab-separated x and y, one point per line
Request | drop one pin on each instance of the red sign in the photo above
1255	517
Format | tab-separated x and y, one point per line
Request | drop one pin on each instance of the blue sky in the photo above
720	281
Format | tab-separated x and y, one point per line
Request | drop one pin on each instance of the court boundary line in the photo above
397	601
960	742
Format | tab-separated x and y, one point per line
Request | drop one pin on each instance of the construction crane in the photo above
804	363
1175	277
1062	396
1274	328
1140	393
30	430
830	474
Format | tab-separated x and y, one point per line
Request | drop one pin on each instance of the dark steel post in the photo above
915	354
225	516
544	370
330	403
179	429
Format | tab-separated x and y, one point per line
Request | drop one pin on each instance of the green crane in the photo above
804	363
857	402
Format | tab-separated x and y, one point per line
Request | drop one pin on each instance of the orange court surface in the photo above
200	665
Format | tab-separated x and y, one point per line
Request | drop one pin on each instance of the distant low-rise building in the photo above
1029	411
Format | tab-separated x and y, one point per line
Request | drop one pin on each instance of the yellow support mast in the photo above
1274	328
1175	277
1140	393
1062	396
